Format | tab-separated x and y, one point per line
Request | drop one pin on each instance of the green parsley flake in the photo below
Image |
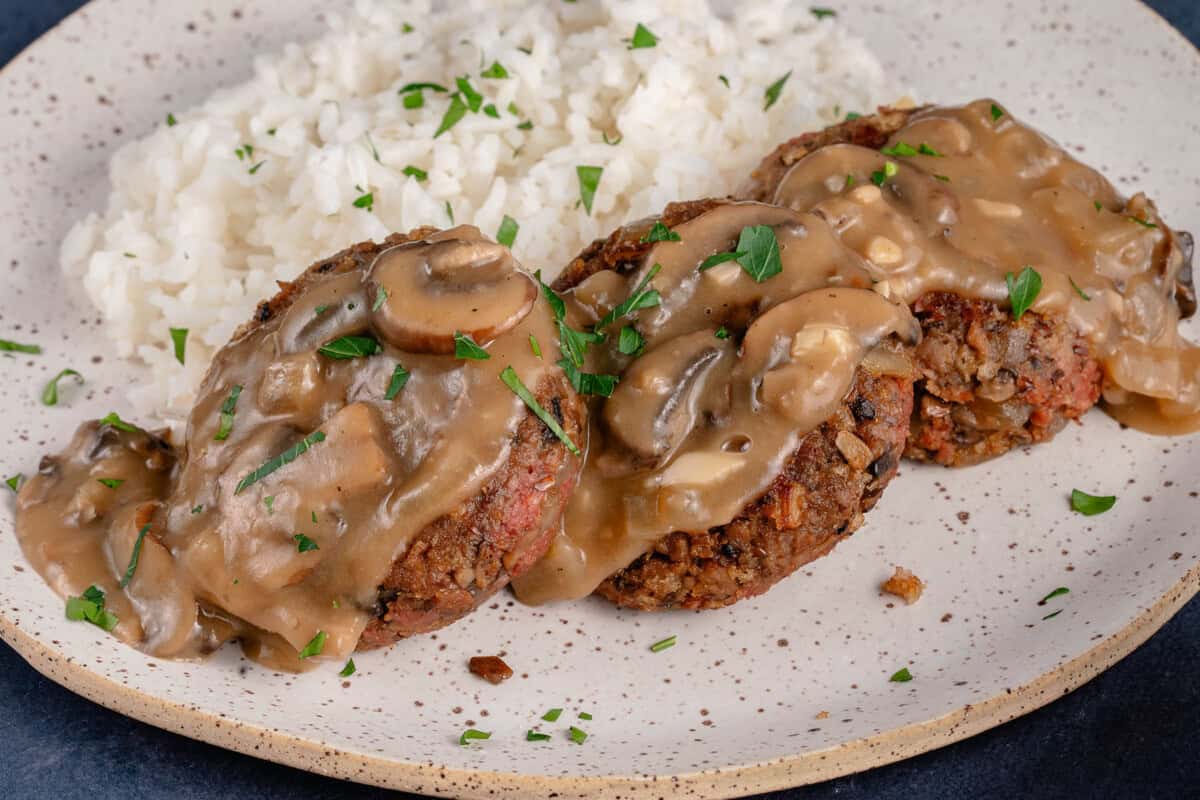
112	483
1056	593
719	258
15	482
414	100
118	423
552	715
349	669
495	71
406	28
371	145
534	347
491	111
455	113
1099	206
474	99
365	200
575	343
589	181
1078	291
171	121
507	234
771	95
639	299
15	347
588	382
513	382
822	13
642	38
227	410
134	557
350	347
997	112
50	393
1023	289
583	715
466	349
269	502
197	509
1090	504
1052	615
660	233
762	259
315	645
416	172
556	303
1142	222
900	150
901	675
663	644
926	150
534	736
281	460
90	608
471	735
613	142
417	87
399	379
723	80
449	212
722	333
179	340
852	115
256	167
576	735
304	544
630	342
381	296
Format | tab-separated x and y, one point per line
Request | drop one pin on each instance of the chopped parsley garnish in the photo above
534	346
112	483
128	254
314	517
256	167
588	382
1099	206
350	347
381	296
771	95
16	347
321	309
527	125
901	675
315	645
1052	615
1089	504
349	669
15	481
722	333
1142	222
761	247
271	131
663	644
491	111
454	113
406	28
399	378
179	341
719	258
577	736
822	13
556	303
90	608
227	410
660	233
171	121
507	234
1023	289
474	99
374	150
723	80
583	715
852	115
639	299
365	200
417	87
849	181
901	150
589	181
414	100
284	458
630	342
1056	593
471	735
465	348
512	109
135	556
118	423
449	212
50	393
1078	291
943	178
513	382
304	544
198	509
416	172
926	150
575	343
879	176
997	112
552	715
642	38
614	142
534	736
269	502
496	70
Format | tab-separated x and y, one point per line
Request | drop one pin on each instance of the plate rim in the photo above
739	780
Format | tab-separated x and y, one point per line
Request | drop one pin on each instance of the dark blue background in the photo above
1132	732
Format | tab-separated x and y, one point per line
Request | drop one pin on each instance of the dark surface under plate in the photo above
1131	732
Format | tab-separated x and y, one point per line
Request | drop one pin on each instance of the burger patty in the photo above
836	473
985	382
462	558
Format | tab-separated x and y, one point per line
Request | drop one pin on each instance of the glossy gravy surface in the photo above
224	556
976	195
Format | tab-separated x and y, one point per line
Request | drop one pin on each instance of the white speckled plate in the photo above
738	706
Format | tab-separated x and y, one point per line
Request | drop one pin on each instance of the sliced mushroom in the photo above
662	394
422	293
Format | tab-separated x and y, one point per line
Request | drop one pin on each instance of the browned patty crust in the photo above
986	383
461	559
829	481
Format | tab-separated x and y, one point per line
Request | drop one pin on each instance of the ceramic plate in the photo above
785	689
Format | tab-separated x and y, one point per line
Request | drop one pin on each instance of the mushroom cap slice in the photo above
422	293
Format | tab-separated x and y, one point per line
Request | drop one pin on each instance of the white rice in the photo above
191	239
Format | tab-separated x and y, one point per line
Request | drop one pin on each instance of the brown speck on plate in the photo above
491	668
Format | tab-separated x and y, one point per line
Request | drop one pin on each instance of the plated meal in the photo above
665	382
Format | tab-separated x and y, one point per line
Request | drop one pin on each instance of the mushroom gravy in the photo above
962	196
700	425
281	559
